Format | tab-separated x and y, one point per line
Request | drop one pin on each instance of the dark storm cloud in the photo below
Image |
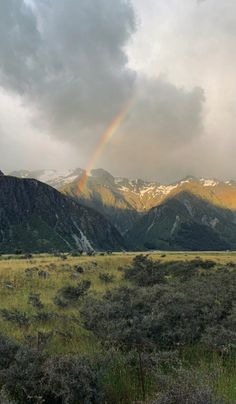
67	58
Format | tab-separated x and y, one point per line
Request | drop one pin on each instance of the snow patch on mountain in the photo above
166	189
214	222
188	206
63	177
209	183
175	225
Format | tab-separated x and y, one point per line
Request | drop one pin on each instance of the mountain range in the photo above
190	214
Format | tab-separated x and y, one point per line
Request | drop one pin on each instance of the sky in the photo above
69	67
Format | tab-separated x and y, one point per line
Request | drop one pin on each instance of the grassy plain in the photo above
20	276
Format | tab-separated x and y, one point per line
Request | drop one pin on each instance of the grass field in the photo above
20	276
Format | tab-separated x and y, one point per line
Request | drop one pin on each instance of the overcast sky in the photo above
68	67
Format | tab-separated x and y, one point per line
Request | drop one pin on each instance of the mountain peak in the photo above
1	173
189	178
100	172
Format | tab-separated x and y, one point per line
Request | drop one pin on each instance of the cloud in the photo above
164	121
168	114
68	61
22	146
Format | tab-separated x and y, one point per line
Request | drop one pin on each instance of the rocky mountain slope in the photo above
124	201
185	222
36	217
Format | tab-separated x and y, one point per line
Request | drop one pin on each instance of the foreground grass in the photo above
19	277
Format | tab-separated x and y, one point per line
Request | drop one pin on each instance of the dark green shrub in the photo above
70	380
106	277
71	294
44	316
15	316
79	269
28	376
219	339
168	315
23	378
8	350
34	300
145	272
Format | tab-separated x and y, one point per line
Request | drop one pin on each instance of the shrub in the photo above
219	339
145	272
70	294
34	300
76	253
187	388
15	316
28	376
43	274
91	253
118	316
106	277
44	316
70	380
79	269
167	315
8	350
23	378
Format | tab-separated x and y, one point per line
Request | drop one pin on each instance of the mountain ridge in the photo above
36	217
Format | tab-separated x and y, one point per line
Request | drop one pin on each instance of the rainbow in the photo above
104	139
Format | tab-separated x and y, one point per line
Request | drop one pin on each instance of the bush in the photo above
34	300
28	376
76	253
145	272
8	350
219	339
119	316
70	294
15	316
23	378
187	388
79	269
106	277
168	315
70	380
44	316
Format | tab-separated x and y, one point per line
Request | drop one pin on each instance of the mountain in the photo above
185	222
54	178
124	201
1	173
36	217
